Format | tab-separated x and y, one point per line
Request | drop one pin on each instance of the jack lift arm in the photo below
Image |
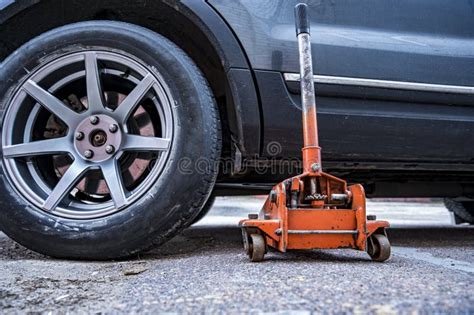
313	210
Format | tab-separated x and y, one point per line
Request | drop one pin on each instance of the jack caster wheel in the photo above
257	247
379	248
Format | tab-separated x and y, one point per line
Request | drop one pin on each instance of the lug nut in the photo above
113	128
79	135
94	120
88	154
110	149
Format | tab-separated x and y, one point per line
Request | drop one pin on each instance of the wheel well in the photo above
164	17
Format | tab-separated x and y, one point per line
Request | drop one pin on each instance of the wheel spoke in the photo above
72	176
95	97
127	106
113	178
142	143
41	147
50	102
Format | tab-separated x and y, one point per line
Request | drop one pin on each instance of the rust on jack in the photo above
313	210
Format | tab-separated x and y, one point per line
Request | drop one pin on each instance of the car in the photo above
122	120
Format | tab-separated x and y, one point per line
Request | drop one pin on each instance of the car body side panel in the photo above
370	130
425	41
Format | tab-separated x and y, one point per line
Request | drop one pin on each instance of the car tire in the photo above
463	211
169	191
205	210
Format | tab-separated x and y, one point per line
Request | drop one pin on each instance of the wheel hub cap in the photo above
98	138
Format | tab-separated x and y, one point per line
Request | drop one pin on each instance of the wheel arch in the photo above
193	25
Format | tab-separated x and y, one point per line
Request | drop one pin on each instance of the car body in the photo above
395	90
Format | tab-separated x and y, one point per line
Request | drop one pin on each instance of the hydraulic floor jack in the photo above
313	210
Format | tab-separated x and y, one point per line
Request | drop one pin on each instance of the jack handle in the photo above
311	149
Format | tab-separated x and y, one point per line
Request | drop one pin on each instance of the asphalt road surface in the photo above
204	270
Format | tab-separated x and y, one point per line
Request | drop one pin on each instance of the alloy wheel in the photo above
87	134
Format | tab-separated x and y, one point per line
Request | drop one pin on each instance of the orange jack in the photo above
313	210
